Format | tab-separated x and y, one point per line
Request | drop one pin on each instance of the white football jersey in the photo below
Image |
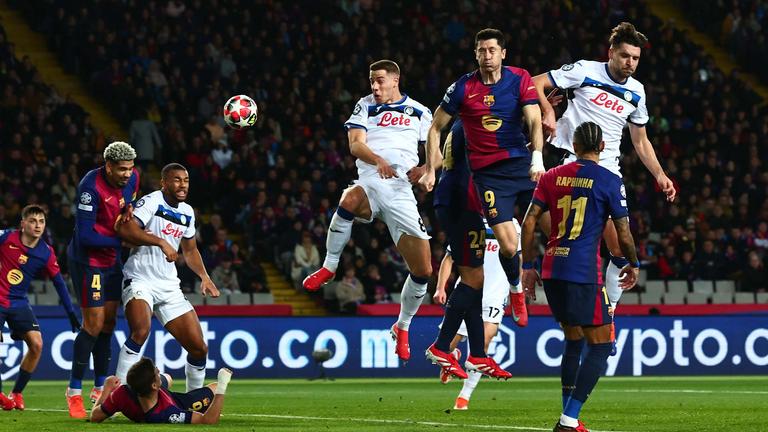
147	263
394	132
600	99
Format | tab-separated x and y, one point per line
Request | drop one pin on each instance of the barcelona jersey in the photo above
579	196
455	188
492	114
95	242
20	264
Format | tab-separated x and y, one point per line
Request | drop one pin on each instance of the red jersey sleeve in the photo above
115	401
52	266
528	93
542	191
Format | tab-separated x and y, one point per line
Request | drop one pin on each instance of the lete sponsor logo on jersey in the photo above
171	230
610	103
388	119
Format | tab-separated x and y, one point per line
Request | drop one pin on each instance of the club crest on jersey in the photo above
408	110
489	100
491	122
14	277
140	203
628	96
122	202
22	259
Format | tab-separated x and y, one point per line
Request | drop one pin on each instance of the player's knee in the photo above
351	199
35	347
508	249
140	335
199	352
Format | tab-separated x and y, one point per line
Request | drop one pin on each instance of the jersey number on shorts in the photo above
96	282
493	312
421	226
490	198
580	206
477	239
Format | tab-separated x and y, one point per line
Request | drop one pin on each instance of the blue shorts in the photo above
577	304
197	400
501	186
465	234
95	285
20	320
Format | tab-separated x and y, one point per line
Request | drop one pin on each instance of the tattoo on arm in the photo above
626	241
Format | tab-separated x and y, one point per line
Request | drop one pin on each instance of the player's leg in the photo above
469	385
615	263
354	203
416	254
6	403
88	282
138	313
34	341
186	329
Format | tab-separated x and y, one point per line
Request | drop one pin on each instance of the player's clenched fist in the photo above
427	181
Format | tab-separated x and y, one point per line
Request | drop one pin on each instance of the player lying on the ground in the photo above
24	255
580	197
496	292
146	398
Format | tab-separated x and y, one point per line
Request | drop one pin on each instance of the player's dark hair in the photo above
587	138
628	34
173	166
387	65
141	376
32	209
490	33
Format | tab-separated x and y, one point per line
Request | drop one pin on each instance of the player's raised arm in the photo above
543	85
434	157
647	155
195	263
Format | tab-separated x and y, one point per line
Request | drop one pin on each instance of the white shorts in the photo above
494	303
166	301
392	201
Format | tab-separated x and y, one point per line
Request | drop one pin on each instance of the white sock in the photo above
612	283
410	300
516	289
74	392
339	232
568	421
470	384
195	376
125	360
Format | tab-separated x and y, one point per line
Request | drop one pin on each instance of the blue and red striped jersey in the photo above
166	410
95	241
455	188
19	265
492	114
580	196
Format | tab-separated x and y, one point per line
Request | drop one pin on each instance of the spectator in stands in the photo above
708	262
145	139
306	258
754	278
349	292
224	276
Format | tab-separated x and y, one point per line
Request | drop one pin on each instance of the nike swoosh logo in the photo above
12	247
336	231
107	199
418	297
472	95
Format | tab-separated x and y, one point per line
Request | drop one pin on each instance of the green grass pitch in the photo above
520	404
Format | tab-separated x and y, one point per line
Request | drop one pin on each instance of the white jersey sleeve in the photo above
359	117
640	115
191	231
426	123
145	208
569	75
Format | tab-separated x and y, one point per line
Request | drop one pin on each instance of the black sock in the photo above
511	266
102	355
569	367
475	325
589	372
82	349
21	380
458	303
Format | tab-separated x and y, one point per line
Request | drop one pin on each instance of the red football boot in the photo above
18	401
519	309
446	361
486	366
6	402
580	428
400	336
446	377
314	281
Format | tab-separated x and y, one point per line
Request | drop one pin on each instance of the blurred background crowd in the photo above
267	193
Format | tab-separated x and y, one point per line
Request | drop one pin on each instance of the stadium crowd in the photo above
274	185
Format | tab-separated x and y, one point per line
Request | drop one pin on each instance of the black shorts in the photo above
95	285
465	233
577	304
197	400
20	320
503	185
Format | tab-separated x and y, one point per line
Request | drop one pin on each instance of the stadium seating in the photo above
677	287
722	298
703	287
725	286
650	298
240	299
674	297
263	298
761	297
630	298
655	287
195	298
696	298
743	298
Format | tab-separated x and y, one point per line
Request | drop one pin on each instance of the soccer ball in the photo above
240	112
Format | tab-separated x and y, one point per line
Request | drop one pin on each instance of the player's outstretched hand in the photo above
530	279
170	253
73	321
667	187
207	287
537	166
427	180
415	173
385	169
628	277
439	297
